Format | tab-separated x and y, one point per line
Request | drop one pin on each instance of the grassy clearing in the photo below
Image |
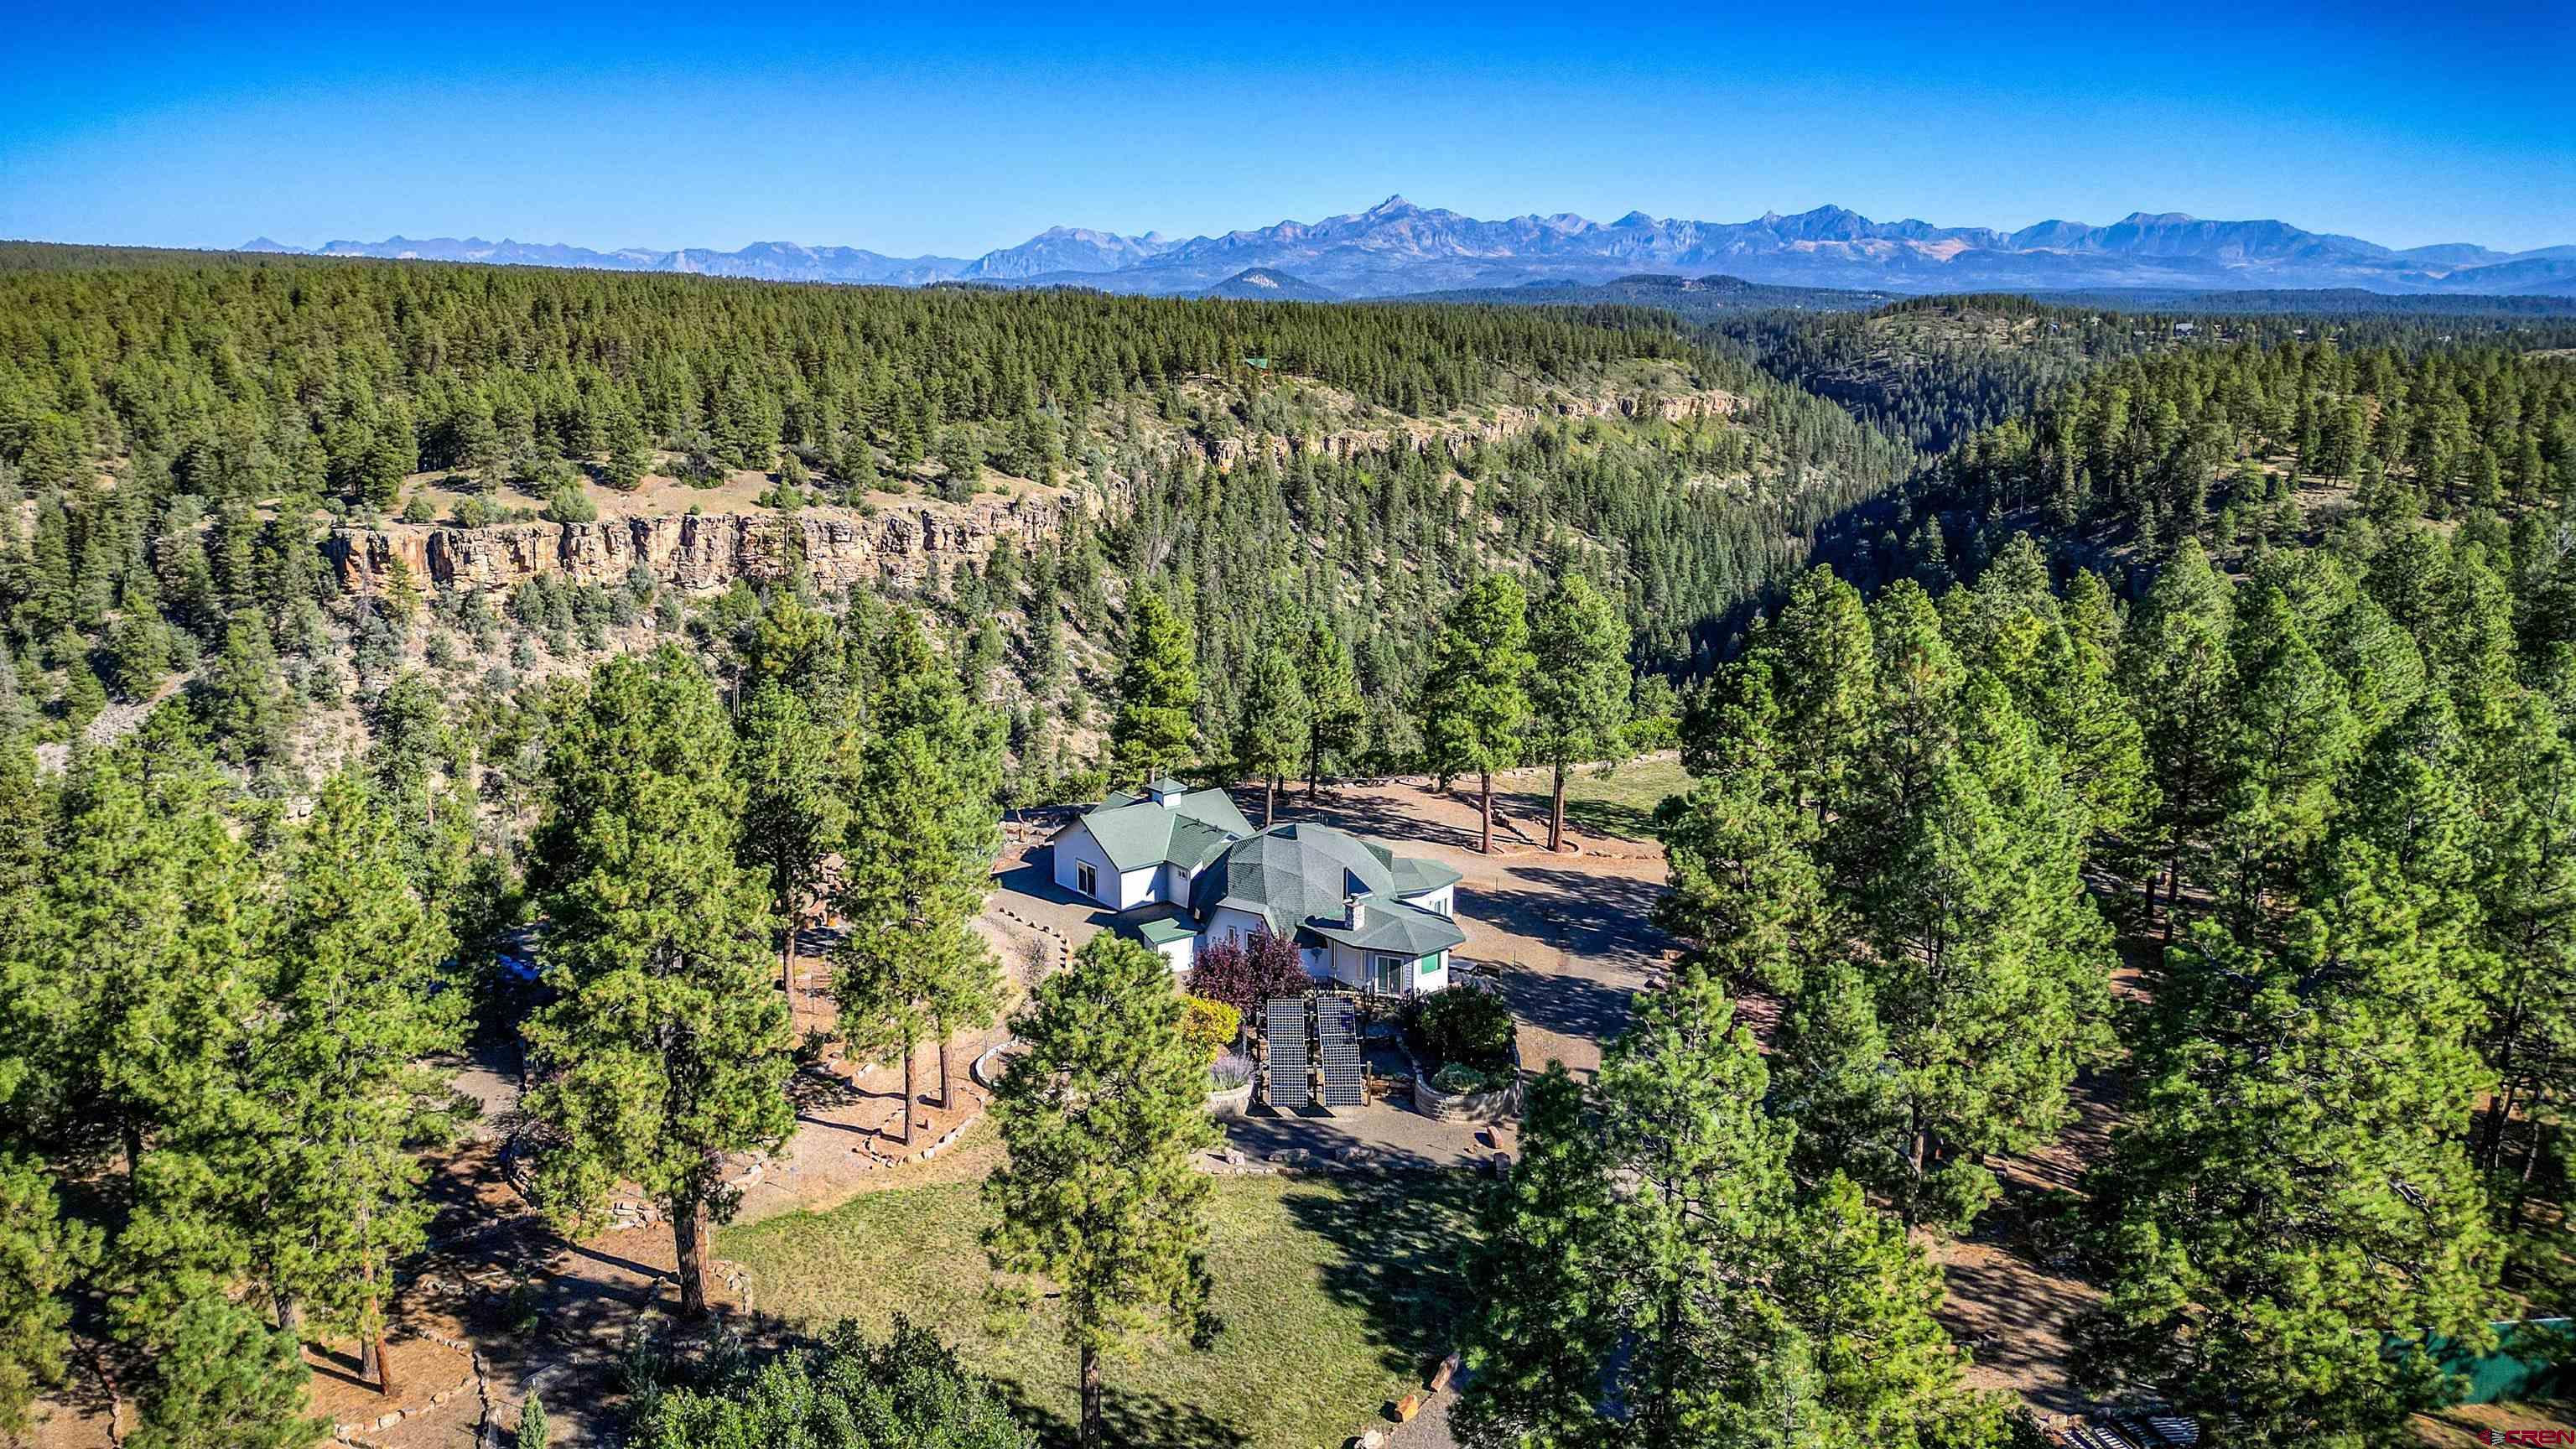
1621	803
1336	1295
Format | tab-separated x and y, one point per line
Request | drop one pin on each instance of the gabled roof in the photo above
1185	830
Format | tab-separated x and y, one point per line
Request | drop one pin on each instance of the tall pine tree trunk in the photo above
1556	813
787	960
689	1234
1092	1435
945	1075
1487	844
907	1094
290	1314
384	1364
1269	799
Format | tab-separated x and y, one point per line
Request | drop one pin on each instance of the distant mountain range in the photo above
1398	249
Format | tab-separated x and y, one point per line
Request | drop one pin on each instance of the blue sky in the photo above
911	131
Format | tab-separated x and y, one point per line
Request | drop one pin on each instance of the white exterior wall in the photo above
1118	891
1224	919
1181	953
1350	966
1172	884
1442	902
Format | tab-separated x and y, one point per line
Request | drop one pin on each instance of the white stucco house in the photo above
1185	870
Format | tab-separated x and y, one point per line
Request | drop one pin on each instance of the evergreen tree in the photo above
1578	686
2288	1193
41	1252
1824	667
243	699
533	1433
343	1070
846	1392
221	1380
1103	1114
1742	891
1541	1285
665	1048
1275	727
923	836
1158	694
796	808
1335	715
1475	702
2178	668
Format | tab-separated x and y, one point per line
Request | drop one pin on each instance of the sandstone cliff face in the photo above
840	547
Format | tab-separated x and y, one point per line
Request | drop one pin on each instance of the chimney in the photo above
1354	902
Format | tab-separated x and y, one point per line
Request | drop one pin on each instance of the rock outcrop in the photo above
843	547
1458	436
840	547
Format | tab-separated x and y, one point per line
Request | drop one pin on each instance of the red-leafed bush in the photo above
1246	975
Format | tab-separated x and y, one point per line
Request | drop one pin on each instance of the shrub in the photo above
1211	1025
569	503
1246	975
1229	1071
1466	1025
418	509
1458	1079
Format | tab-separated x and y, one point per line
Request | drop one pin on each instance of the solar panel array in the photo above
1337	1042
1285	1065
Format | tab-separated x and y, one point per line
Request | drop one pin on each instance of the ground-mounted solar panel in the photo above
1337	1045
1286	1064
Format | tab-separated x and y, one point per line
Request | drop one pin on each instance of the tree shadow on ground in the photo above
1362	813
1603	917
1613	819
1135	1420
1565	1004
1400	1234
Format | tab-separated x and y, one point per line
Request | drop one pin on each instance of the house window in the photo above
1086	880
1386	974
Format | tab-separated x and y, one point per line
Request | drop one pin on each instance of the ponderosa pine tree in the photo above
1275	727
1476	702
1742	891
1543	1287
343	1074
2288	1193
2293	735
1335	715
1748	1310
221	1379
1578	686
42	1253
796	772
1824	676
1103	1113
1989	966
666	1047
2176	665
923	835
1158	694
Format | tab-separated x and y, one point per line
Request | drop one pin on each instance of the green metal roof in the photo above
1396	928
1159	925
1185	830
1290	872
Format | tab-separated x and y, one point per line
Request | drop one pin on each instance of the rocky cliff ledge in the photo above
841	547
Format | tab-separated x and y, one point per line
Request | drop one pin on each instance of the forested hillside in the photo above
179	439
2290	767
1936	369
